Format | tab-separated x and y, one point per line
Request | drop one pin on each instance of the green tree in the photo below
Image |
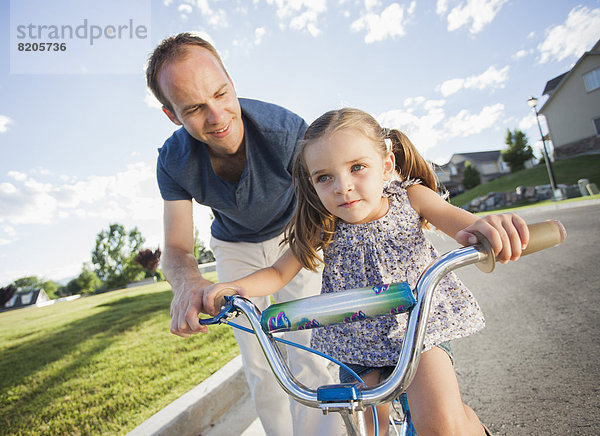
27	284
201	252
88	281
114	256
471	176
6	293
518	151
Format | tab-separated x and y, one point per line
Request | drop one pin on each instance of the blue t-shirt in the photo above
262	202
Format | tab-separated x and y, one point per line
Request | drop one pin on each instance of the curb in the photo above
200	408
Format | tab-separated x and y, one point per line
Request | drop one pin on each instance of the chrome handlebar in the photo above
542	235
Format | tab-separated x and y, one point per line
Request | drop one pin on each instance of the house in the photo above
489	164
572	109
22	299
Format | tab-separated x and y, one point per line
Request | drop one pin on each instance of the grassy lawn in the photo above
99	365
567	171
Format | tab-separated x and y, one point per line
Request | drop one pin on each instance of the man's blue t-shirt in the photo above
262	202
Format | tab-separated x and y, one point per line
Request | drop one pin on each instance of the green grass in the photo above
567	171
101	364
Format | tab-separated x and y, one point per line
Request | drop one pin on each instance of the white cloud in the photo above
17	175
4	122
527	122
426	124
301	14
259	33
465	124
420	120
521	54
8	234
129	194
390	23
185	10
441	7
215	18
573	38
475	14
490	78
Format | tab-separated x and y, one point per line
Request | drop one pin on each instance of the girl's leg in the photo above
371	379
434	399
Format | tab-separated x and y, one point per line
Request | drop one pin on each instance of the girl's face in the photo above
348	174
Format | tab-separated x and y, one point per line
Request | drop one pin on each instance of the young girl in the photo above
364	196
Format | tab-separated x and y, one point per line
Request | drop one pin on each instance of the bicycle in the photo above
351	399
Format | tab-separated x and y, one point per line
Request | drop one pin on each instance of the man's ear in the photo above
171	116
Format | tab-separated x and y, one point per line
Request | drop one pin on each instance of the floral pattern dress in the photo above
391	249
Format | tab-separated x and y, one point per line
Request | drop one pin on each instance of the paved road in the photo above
535	368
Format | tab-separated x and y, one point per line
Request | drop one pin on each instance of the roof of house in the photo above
480	156
560	80
553	83
26	298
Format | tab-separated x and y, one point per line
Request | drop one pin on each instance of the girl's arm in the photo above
507	233
265	281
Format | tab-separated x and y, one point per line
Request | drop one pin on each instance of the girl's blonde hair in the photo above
312	227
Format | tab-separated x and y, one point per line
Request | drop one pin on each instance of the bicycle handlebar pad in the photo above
542	235
338	307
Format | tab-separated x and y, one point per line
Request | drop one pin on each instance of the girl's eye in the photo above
322	178
357	167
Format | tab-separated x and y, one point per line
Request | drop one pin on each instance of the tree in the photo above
27	284
114	254
518	151
149	260
471	177
6	293
88	281
201	253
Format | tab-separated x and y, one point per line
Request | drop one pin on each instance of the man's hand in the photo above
186	306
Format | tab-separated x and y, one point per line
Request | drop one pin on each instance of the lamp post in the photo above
532	102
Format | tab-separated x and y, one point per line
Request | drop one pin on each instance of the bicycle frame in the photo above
350	400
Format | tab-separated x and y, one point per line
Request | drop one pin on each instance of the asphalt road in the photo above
535	368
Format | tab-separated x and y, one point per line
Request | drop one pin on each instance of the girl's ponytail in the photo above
409	162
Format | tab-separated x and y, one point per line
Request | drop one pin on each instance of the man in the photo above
235	156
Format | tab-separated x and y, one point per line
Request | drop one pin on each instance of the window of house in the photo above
592	80
597	125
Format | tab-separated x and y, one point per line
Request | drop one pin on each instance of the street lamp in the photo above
532	102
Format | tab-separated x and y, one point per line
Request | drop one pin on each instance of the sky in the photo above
79	131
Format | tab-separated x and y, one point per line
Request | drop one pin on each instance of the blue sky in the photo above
79	131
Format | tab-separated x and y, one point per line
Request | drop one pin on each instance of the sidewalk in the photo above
208	409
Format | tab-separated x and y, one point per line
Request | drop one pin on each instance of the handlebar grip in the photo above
542	235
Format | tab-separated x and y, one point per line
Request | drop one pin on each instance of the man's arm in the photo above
181	268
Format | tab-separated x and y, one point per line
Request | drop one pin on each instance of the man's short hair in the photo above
169	49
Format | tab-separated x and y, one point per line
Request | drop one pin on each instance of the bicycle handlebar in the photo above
542	235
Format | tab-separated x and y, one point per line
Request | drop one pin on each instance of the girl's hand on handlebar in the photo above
507	233
215	291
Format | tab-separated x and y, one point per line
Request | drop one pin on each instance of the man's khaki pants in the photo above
277	412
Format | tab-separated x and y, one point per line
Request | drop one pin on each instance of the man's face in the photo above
203	100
